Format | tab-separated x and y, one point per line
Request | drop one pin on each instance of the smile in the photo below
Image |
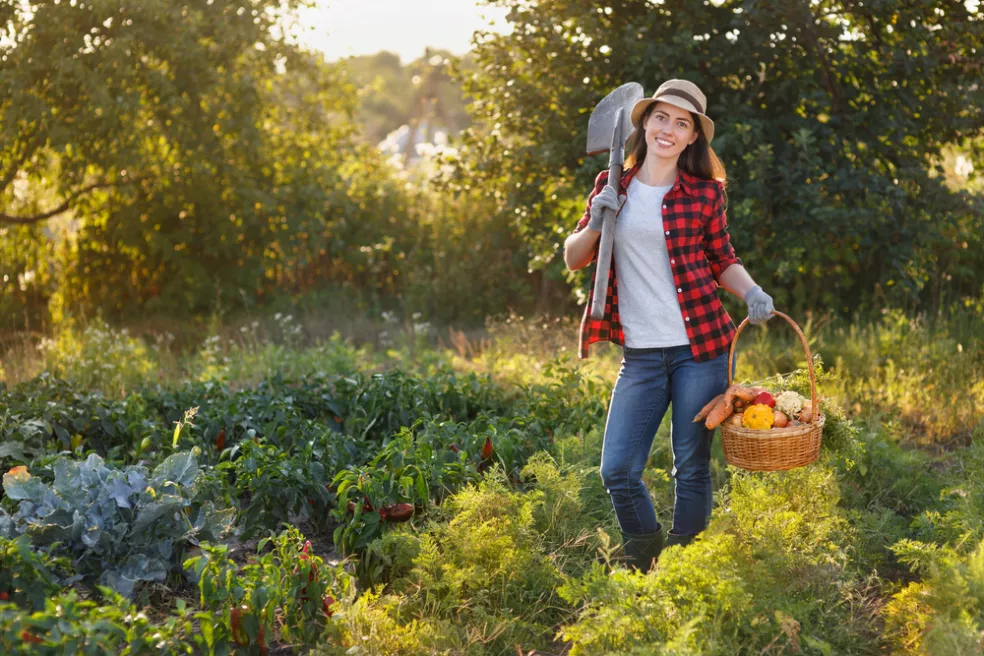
663	143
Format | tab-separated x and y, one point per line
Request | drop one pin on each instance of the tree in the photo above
184	154
101	96
829	115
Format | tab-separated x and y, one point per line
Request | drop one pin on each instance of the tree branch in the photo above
27	220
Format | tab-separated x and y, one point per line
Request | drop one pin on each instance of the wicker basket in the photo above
778	448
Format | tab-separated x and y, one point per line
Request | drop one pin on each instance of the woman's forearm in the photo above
579	248
736	280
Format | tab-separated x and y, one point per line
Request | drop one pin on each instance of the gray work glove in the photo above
759	303
605	199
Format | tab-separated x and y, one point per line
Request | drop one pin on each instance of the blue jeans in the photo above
648	382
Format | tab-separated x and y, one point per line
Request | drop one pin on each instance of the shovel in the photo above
608	128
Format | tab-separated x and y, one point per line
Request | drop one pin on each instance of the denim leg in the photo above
639	401
693	384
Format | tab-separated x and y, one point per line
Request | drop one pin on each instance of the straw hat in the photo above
682	94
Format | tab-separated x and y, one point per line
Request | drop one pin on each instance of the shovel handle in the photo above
605	244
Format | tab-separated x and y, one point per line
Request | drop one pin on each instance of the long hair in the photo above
697	159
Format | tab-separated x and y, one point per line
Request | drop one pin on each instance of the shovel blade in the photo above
602	123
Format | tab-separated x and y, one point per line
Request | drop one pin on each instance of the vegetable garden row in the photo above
388	513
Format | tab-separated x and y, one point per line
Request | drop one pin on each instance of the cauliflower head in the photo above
789	403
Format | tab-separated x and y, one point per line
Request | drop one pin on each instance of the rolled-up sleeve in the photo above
717	242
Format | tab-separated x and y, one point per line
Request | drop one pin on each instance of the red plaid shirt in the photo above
700	250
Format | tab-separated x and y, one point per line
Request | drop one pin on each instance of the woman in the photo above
673	251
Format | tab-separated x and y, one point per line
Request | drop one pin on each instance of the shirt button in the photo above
672	261
664	207
667	232
679	290
687	318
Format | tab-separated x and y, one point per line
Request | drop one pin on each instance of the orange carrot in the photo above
707	408
720	412
729	394
747	393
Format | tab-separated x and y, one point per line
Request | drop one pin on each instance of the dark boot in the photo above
642	550
683	540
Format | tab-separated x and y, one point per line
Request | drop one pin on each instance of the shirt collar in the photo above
684	180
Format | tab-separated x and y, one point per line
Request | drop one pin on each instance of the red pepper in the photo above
220	440
454	447
264	650
27	636
366	506
398	512
487	449
236	621
326	603
4	596
312	570
765	398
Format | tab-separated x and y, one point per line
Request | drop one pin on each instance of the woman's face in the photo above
669	130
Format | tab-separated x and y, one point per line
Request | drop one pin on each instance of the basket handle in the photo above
809	359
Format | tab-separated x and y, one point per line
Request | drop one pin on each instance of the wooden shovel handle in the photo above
605	245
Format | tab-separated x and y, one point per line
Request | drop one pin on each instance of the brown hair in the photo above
697	159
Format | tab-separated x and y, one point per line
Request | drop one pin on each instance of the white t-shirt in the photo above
648	306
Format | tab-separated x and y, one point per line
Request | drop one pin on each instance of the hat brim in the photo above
706	124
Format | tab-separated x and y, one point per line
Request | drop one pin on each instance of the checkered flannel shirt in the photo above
700	250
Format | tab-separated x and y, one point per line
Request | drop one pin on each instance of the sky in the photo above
341	28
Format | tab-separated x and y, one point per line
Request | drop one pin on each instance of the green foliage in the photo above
26	282
694	602
876	547
791	516
121	526
567	516
926	374
944	614
278	484
486	569
27	576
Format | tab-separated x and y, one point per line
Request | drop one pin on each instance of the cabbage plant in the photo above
123	526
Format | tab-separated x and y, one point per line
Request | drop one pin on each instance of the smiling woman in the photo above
673	251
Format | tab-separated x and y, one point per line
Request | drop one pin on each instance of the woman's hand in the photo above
760	306
606	199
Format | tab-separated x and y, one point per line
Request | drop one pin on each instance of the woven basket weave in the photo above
778	448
